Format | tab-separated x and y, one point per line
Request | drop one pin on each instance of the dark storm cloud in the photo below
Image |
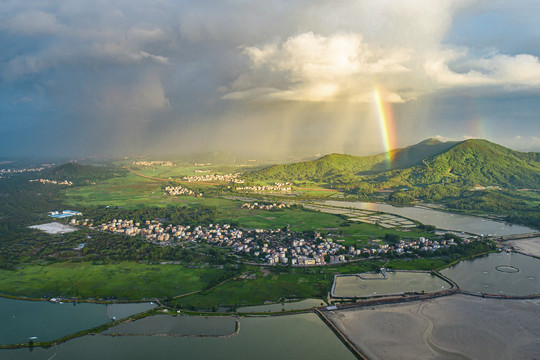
115	77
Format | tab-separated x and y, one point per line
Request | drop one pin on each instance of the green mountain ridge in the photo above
478	162
429	162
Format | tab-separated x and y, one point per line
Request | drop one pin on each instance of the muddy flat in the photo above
452	327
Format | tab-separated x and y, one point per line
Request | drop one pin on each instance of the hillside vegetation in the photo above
82	174
430	162
480	162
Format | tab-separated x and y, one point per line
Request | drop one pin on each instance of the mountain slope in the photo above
320	170
335	166
478	162
414	154
429	162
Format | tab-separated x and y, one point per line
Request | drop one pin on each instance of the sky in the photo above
118	77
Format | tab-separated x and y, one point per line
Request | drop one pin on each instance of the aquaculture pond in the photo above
364	285
302	336
44	320
498	274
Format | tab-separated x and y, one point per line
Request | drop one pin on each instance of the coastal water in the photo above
498	274
302	336
22	319
395	283
440	219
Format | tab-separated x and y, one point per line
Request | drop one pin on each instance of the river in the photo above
440	219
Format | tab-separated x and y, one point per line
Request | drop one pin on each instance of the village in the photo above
265	246
55	182
256	205
214	177
153	163
282	187
24	170
179	190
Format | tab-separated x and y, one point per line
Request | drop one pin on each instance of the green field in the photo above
300	283
133	191
126	280
134	281
267	287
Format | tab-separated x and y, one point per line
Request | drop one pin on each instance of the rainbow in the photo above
385	117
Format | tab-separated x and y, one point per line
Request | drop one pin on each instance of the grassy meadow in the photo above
125	280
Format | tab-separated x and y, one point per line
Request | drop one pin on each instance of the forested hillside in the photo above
464	164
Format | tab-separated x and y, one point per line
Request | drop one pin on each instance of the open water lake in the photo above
302	336
440	219
21	319
498	274
395	283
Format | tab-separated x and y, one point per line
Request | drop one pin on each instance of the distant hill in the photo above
81	174
319	170
479	162
414	154
339	165
429	162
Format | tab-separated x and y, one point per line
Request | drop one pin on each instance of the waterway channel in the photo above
440	219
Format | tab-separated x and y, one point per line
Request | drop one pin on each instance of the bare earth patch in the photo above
452	327
54	228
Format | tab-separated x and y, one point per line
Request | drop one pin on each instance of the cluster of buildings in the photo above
153	163
18	171
256	205
481	188
179	190
262	246
215	177
272	247
47	181
422	244
283	187
302	252
202	171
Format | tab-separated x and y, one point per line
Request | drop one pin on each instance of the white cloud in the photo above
344	67
322	68
497	69
264	57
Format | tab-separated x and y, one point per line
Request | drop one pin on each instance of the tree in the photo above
392	238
